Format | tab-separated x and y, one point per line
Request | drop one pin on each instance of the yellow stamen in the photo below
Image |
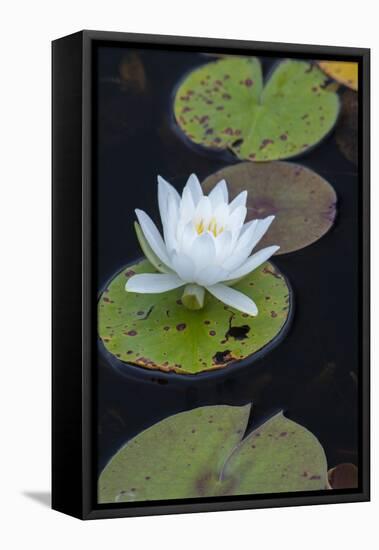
200	227
211	227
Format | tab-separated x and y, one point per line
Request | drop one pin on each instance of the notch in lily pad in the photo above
208	453
226	104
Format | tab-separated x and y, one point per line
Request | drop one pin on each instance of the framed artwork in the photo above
210	274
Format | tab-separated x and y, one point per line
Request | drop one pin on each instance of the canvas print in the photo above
227	258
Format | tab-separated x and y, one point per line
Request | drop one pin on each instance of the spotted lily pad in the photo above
225	104
303	202
347	127
157	332
343	72
205	452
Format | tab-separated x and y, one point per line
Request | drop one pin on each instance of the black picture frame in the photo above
74	318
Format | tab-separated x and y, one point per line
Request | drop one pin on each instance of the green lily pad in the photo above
156	331
347	127
303	202
202	453
224	104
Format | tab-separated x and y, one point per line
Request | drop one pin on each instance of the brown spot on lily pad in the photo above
222	357
238	332
265	142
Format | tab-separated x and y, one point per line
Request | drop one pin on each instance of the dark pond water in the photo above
312	374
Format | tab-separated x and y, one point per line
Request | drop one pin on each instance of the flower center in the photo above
211	226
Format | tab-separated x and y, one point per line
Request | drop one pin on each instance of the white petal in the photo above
203	251
253	262
153	283
194	186
210	275
148	251
203	211
247	233
233	298
237	217
170	225
153	236
221	214
168	199
239	200
261	229
246	226
236	220
242	248
185	237
165	190
219	194
235	259
184	267
223	246
251	234
187	206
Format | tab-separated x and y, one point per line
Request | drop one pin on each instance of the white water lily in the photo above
205	246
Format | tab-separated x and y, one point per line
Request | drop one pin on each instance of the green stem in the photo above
193	296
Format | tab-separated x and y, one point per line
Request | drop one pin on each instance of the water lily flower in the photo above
205	245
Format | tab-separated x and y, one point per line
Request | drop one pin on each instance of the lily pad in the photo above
303	202
156	331
347	127
203	453
343	476
343	72
225	104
